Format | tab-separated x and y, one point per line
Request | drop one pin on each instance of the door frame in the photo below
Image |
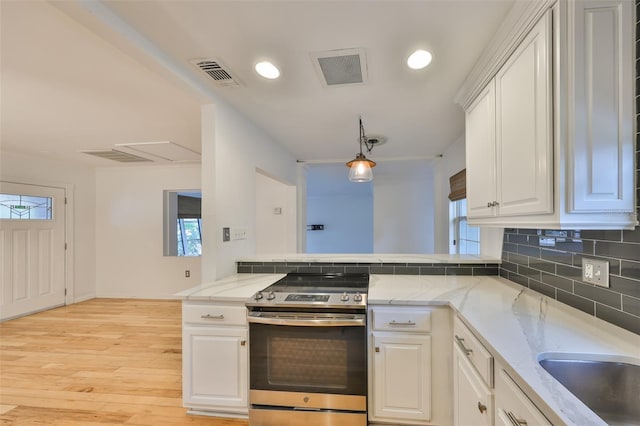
69	222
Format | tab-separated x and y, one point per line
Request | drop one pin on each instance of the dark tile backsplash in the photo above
550	262
369	268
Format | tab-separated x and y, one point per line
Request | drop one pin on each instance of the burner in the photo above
331	290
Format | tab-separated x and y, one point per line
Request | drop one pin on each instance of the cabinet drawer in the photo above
401	319
477	354
211	314
512	404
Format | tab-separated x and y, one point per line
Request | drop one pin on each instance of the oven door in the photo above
308	353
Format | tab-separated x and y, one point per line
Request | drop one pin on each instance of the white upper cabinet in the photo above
601	128
550	119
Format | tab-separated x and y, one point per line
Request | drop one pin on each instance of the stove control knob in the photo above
357	297
258	295
344	297
271	295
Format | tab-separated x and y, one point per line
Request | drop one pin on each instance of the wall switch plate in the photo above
595	272
226	234
239	233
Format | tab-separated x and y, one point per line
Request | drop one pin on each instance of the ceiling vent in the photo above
119	156
217	71
340	67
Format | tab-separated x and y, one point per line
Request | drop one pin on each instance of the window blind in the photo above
458	184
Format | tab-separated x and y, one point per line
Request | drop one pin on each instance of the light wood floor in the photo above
99	362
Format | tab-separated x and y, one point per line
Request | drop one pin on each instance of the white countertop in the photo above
370	258
235	288
516	325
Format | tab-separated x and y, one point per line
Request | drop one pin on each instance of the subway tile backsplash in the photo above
550	262
475	269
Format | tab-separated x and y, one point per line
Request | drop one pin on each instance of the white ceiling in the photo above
91	75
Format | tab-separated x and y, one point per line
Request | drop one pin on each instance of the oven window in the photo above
308	359
295	361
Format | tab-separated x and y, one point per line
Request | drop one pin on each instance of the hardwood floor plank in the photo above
100	362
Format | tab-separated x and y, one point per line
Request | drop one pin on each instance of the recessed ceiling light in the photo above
419	59
267	70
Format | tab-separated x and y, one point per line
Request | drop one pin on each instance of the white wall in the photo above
347	220
275	232
403	218
233	148
452	161
128	229
44	171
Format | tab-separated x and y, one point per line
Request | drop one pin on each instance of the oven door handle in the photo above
310	321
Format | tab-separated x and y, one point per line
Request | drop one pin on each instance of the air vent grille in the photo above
214	69
119	156
340	67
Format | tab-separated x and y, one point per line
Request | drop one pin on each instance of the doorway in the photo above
32	244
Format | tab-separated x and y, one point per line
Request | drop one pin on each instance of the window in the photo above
189	237
466	239
182	223
25	207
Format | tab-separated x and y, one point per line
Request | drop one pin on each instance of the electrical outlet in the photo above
226	234
187	273
595	272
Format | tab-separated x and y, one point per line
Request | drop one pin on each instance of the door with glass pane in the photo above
32	248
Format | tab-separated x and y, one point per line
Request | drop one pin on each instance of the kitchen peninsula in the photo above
516	326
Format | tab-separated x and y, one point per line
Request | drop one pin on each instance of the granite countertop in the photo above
516	324
370	258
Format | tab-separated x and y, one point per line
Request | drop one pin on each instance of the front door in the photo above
32	248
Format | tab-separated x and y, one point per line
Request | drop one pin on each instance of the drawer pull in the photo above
394	322
213	317
514	420
460	341
243	343
482	407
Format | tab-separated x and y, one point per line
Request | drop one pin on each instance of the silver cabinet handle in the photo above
214	317
394	322
481	407
460	342
514	420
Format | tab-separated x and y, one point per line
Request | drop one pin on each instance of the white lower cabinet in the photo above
473	400
402	377
215	358
472	379
513	407
409	375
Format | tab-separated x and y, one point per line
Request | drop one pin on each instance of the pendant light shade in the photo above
360	167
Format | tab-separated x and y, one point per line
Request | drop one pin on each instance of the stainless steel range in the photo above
307	346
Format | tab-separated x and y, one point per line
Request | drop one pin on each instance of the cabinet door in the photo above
601	147
473	400
215	364
524	126
480	154
402	377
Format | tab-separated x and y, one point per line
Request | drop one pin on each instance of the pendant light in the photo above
360	167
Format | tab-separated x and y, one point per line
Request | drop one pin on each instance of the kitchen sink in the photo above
609	387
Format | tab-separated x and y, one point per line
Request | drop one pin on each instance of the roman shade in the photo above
458	184
189	207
